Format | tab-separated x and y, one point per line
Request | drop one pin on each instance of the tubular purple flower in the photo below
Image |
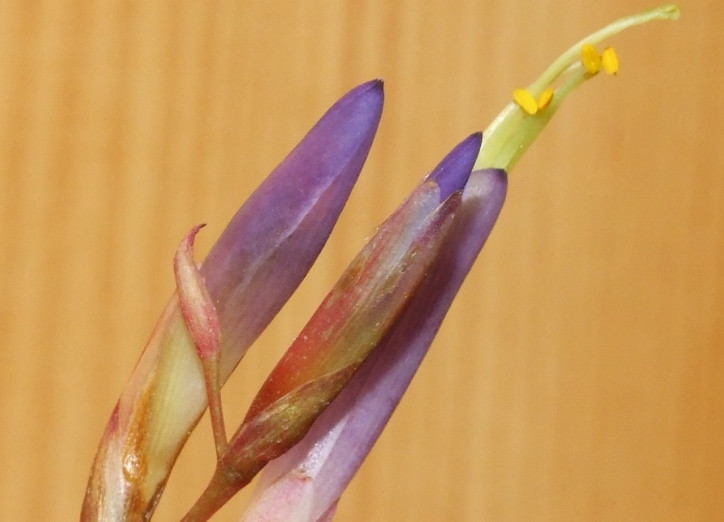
250	272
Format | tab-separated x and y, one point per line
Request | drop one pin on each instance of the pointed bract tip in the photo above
369	99
373	88
377	83
453	171
191	236
196	304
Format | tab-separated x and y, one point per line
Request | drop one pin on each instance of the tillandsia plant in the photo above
325	403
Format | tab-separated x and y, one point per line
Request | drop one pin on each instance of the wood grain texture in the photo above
578	376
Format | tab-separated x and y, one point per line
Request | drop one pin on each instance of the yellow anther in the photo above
590	58
609	61
525	100
545	98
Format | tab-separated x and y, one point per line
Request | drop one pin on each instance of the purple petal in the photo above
272	241
453	171
338	442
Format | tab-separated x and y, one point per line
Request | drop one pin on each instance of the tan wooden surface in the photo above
579	374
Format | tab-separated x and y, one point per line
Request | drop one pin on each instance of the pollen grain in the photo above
609	61
545	98
590	58
525	100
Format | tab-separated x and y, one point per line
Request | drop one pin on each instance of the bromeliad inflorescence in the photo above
324	405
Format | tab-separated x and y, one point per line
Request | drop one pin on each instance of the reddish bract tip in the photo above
196	304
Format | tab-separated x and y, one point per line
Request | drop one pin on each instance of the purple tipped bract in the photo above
453	171
272	241
316	471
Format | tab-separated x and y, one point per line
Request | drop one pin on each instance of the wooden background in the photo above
579	374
